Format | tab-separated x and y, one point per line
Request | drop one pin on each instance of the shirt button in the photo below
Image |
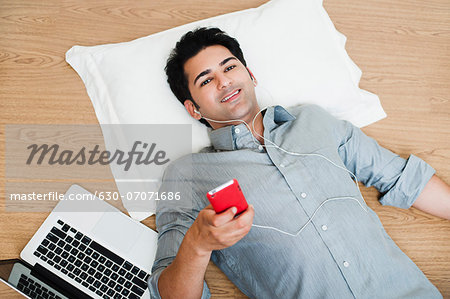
237	131
260	147
324	227
281	165
303	195
346	264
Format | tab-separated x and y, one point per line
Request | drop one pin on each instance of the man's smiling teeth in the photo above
228	97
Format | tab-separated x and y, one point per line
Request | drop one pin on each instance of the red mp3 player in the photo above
226	196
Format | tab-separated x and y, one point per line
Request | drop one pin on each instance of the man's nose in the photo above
223	81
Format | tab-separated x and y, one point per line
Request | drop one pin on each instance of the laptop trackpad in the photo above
117	231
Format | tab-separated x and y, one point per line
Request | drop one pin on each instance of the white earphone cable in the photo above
294	154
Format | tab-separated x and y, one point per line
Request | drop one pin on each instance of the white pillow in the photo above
291	46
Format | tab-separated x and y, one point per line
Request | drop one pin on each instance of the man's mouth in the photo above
231	96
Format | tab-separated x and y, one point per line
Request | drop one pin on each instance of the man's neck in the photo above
257	128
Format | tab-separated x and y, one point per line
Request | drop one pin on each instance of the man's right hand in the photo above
211	231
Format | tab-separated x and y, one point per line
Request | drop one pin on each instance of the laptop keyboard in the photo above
90	264
34	289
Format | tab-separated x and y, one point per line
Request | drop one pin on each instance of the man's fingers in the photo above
224	217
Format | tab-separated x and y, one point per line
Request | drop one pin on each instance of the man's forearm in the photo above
435	198
184	277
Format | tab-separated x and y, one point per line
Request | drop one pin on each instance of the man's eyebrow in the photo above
207	71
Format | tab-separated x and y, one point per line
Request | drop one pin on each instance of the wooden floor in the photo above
402	47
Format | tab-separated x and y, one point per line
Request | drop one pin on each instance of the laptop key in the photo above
137	290
73	230
58	232
102	259
127	265
69	239
52	237
37	254
107	272
92	288
61	243
86	240
45	242
82	247
110	292
42	249
60	222
135	270
85	284
108	264
99	293
64	271
75	243
139	282
125	292
114	276
129	276
142	274
108	253
65	228
133	296
44	258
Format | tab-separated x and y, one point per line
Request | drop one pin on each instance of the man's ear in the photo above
190	107
255	82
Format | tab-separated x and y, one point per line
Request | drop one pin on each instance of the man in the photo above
307	232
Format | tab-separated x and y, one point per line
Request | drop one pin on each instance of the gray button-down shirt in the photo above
344	251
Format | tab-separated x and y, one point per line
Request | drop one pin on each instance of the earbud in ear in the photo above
196	111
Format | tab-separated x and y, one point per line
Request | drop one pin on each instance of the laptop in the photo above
102	253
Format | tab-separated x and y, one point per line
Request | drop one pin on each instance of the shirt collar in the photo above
225	138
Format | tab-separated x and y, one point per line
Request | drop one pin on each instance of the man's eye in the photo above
205	82
230	68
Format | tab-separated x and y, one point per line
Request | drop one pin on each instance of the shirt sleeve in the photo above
173	219
399	180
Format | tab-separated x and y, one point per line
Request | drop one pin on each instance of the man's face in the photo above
221	85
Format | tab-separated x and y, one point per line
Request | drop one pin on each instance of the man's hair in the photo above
190	45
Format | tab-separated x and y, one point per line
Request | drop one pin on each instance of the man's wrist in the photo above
195	244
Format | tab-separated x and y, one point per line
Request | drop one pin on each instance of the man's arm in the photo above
184	277
435	198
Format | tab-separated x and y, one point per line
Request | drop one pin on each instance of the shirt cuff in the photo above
410	184
153	286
